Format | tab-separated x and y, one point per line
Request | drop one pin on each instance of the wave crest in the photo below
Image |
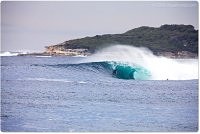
160	68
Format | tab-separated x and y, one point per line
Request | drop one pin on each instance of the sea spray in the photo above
160	68
8	54
11	53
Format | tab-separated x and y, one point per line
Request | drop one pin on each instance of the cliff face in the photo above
167	40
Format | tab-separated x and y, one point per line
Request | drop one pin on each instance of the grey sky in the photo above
33	25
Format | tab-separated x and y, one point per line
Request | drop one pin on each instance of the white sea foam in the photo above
8	54
12	53
161	68
82	82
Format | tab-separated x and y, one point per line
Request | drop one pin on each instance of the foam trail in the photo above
53	80
161	68
50	80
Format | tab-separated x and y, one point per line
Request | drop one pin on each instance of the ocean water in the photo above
75	94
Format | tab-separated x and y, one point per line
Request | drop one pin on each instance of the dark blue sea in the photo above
62	94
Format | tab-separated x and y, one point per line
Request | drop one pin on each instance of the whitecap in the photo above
82	82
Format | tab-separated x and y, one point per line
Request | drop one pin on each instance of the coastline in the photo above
74	52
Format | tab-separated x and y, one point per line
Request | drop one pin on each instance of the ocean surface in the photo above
67	94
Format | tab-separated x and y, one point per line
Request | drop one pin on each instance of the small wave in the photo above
9	54
12	53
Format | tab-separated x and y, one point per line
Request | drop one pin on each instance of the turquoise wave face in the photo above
111	68
126	71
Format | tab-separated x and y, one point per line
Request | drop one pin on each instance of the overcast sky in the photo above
29	26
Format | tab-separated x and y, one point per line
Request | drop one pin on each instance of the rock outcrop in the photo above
52	50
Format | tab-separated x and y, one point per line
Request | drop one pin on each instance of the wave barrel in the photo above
124	72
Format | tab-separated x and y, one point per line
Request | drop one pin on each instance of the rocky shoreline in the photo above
51	51
59	51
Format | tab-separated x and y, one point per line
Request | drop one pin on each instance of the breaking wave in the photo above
143	64
127	62
11	53
8	54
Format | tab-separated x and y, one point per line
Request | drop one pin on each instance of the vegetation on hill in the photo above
167	38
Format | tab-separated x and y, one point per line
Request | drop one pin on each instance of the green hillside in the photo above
167	38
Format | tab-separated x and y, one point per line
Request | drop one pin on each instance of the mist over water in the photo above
161	68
